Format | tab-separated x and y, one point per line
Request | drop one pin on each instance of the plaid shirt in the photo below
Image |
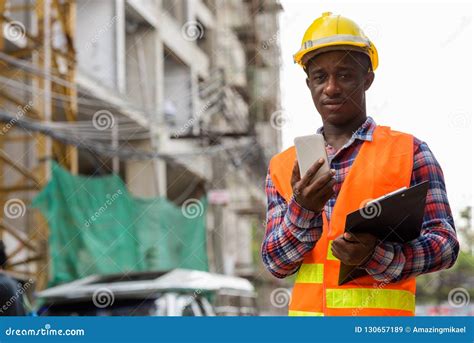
292	231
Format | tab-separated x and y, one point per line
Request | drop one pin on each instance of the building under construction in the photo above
179	98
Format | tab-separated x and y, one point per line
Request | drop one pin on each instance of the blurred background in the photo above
134	143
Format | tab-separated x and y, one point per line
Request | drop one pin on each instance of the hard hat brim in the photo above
311	54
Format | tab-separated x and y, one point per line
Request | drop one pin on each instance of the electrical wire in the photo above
211	84
110	151
54	95
93	129
88	132
33	69
95	105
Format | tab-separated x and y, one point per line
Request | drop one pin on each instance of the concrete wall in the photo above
96	27
141	66
140	176
177	87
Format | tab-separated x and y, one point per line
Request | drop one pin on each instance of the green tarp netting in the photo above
97	227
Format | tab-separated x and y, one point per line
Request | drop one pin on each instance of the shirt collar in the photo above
363	133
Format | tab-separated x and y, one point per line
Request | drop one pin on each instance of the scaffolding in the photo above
40	33
47	102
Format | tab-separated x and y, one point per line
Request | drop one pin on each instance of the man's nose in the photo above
332	88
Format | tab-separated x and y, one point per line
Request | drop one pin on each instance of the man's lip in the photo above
333	108
333	102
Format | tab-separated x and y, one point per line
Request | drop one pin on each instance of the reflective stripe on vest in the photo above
304	314
310	273
391	299
330	256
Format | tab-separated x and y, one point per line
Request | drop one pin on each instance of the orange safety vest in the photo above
381	166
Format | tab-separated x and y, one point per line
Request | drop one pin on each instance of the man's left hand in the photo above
354	249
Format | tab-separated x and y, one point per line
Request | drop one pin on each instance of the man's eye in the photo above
318	77
344	76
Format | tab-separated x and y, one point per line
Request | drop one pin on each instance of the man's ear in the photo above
307	82
369	78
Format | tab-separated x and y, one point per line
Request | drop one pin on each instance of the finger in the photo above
295	176
361	238
326	195
341	246
337	252
354	237
322	195
321	181
329	189
343	250
338	243
323	184
311	172
351	238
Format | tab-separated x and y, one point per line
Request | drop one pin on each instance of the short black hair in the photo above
3	255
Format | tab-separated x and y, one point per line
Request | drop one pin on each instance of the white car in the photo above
179	292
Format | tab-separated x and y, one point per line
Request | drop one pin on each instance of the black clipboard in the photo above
396	217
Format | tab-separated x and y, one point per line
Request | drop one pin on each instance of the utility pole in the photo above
218	227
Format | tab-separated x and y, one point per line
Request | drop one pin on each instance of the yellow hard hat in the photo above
334	32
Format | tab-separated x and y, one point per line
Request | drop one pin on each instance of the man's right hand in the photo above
312	194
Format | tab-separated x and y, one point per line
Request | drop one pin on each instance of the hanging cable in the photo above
107	149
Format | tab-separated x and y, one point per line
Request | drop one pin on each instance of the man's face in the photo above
338	81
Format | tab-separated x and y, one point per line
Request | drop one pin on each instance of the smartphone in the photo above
309	149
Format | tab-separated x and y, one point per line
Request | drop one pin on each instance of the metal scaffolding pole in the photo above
25	159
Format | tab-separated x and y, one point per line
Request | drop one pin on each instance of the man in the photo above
11	298
306	217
